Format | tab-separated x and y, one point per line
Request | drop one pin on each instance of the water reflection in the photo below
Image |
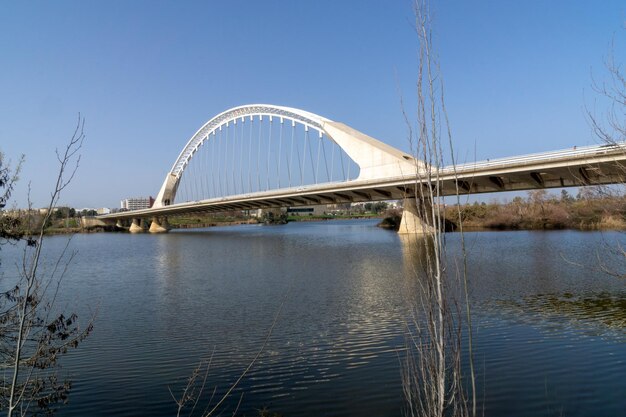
602	310
415	249
418	257
166	301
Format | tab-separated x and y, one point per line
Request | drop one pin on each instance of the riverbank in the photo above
590	210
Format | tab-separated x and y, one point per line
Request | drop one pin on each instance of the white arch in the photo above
375	159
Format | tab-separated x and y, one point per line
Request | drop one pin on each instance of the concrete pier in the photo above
159	225
415	220
136	226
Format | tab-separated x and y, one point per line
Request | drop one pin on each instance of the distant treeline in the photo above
591	208
24	222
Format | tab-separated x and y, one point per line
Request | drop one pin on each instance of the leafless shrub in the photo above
433	381
34	334
10	230
609	126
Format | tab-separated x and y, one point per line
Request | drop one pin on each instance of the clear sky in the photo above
147	74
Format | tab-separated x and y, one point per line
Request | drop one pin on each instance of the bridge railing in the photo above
575	153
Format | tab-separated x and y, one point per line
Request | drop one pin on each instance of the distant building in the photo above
137	203
256	213
103	210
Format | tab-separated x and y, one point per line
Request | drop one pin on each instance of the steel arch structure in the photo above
376	160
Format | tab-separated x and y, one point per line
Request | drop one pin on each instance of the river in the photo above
550	329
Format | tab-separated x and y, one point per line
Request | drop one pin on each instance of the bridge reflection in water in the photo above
543	341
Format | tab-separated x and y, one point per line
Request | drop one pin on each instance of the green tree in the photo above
379	207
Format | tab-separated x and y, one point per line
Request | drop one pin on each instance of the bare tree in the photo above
432	378
609	126
33	333
9	225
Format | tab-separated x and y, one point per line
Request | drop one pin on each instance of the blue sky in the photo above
147	74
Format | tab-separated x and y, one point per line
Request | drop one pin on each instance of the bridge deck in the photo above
592	165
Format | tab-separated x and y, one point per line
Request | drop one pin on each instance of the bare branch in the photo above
37	334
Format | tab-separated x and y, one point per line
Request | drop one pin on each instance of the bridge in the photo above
266	156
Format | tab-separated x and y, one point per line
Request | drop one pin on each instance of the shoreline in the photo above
381	224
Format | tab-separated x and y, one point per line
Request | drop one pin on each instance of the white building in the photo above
137	203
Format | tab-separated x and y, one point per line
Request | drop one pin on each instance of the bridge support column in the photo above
136	226
120	224
415	220
159	225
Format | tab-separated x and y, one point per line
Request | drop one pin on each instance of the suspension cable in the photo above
186	181
290	162
214	194
202	150
317	164
226	182
194	174
258	156
343	169
219	163
269	152
243	190
332	161
306	141
250	155
280	145
234	153
325	159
